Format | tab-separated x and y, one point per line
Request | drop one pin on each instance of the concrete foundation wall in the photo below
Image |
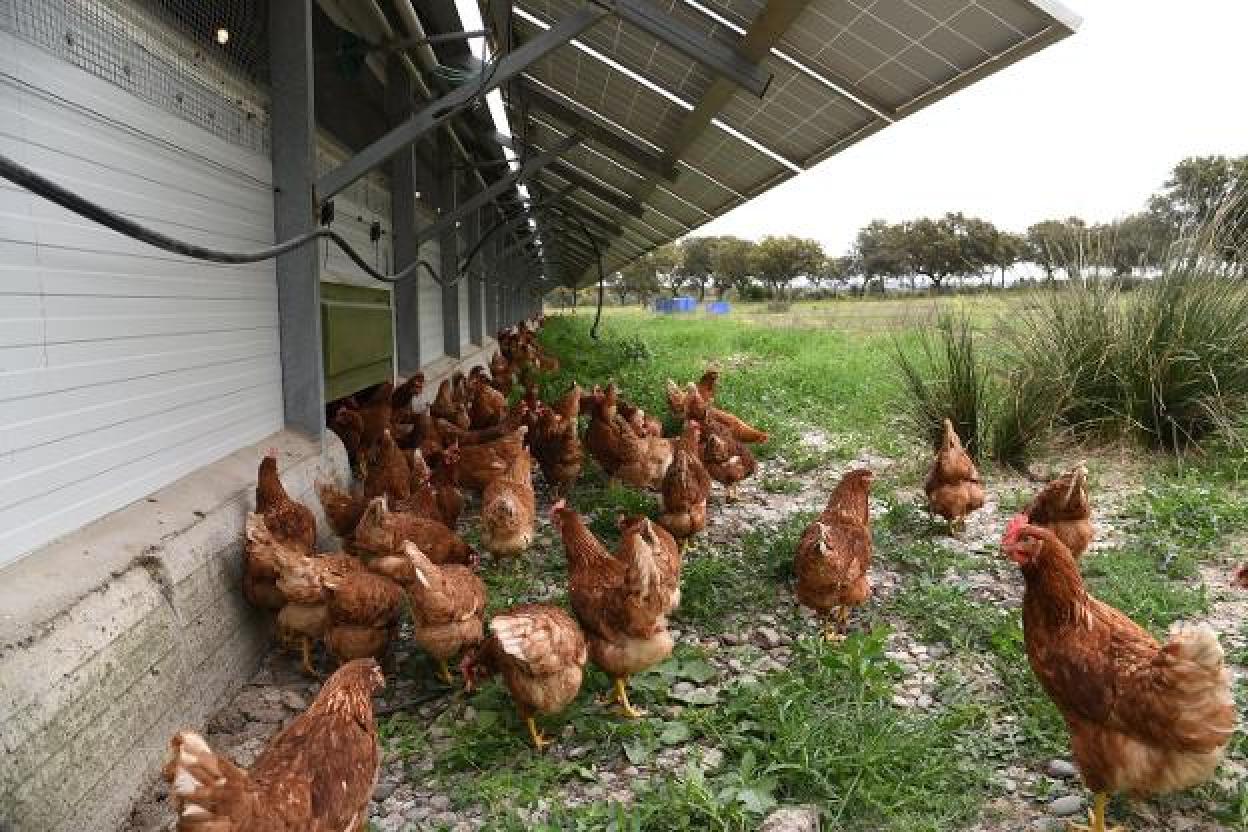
117	636
134	627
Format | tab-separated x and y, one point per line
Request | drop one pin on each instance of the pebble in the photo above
1066	806
801	819
1061	770
683	688
768	638
439	803
384	789
294	700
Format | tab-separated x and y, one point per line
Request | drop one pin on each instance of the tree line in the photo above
1203	197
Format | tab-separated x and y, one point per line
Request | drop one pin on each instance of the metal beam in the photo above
764	33
588	183
606	133
437	112
292	75
506	226
526	171
730	64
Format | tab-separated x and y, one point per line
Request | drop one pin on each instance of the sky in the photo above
1088	127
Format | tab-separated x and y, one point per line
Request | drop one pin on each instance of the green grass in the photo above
824	730
781	381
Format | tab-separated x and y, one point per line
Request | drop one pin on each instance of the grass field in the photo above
857	315
927	718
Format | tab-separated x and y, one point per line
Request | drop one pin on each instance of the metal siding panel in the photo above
465	313
123	367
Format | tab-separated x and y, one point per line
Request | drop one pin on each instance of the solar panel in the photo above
842	70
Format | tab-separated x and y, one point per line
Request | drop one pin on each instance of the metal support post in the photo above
294	213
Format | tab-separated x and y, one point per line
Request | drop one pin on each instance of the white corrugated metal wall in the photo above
122	368
355	209
432	346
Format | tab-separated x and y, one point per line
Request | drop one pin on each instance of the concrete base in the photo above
120	634
134	627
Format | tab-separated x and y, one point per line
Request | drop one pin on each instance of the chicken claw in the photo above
539	741
305	650
834	628
444	673
1096	817
621	697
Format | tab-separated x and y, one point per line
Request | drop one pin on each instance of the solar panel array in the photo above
841	70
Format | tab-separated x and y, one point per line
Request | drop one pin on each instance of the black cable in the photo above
49	190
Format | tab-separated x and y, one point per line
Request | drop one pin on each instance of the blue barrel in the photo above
670	306
719	307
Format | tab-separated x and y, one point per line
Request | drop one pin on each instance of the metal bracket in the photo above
506	68
722	59
575	116
447	220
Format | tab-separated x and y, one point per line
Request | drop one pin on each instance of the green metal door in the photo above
357	338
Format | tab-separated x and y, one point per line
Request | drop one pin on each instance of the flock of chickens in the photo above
1143	717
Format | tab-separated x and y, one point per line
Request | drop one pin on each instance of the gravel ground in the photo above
1032	796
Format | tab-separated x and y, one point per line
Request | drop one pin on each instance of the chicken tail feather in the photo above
203	784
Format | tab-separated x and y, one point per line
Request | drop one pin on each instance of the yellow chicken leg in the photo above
730	493
305	650
834	626
621	696
444	673
539	742
1096	817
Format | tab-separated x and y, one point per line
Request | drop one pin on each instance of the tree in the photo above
1204	203
640	278
951	245
665	261
833	270
619	287
1006	250
731	259
880	251
778	260
1058	244
695	262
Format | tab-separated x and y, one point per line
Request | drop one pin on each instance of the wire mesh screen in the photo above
203	61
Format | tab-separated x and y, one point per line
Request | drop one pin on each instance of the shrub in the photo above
946	380
1163	363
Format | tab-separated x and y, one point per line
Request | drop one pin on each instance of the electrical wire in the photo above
25	177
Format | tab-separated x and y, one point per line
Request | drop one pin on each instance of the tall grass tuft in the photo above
947	379
1164	364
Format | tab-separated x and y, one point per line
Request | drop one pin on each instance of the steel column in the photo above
400	94
291	75
420	123
474	283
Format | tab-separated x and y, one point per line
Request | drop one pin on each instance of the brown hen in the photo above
509	510
316	775
834	554
1063	508
541	653
1144	718
621	602
686	487
953	487
448	607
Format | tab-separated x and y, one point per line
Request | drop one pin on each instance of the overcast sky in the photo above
1088	127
